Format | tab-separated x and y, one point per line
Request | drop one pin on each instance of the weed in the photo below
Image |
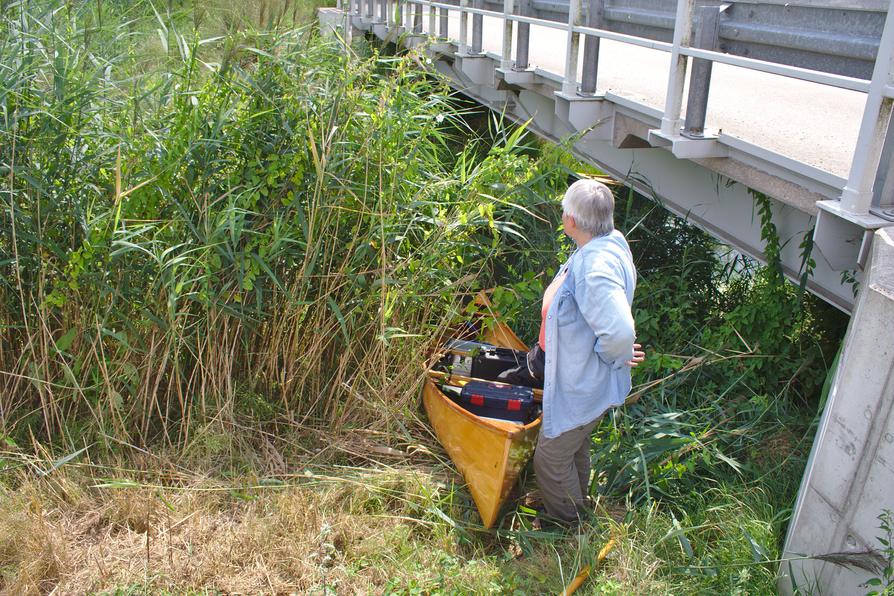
884	585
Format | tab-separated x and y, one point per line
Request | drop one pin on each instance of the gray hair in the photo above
592	206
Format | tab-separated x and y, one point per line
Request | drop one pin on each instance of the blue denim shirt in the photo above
589	335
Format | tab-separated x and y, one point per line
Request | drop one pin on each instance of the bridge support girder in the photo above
590	114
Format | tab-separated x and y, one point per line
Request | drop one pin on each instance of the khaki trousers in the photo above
562	466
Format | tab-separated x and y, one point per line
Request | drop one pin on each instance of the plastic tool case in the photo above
498	400
479	360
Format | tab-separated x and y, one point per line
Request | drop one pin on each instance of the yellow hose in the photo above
581	577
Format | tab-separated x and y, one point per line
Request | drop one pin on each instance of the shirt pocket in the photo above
566	310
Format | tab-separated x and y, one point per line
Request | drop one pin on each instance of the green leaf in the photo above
64	342
118	483
758	552
164	40
341	319
242	495
443	516
680	534
729	461
62	461
167	503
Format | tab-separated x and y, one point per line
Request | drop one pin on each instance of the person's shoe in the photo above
533	500
544	522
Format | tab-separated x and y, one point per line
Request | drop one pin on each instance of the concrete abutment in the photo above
849	479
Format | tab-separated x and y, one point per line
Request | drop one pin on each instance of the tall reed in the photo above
267	214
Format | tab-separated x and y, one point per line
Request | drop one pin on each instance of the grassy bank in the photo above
396	523
227	246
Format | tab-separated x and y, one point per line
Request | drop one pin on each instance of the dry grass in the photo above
398	523
71	538
285	524
148	524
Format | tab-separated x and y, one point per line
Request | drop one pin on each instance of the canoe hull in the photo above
489	454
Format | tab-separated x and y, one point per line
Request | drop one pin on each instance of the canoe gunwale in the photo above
438	375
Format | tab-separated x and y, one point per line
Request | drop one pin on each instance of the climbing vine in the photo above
770	235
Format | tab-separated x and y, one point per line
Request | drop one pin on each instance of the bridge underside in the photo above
711	192
706	182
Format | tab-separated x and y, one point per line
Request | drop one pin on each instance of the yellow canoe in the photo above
489	453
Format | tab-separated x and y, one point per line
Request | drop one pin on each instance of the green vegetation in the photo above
227	246
291	222
881	586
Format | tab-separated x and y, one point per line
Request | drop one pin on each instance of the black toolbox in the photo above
498	400
479	360
491	361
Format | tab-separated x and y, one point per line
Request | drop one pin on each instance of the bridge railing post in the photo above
522	43
707	34
432	18
345	7
596	20
857	196
463	28
417	17
572	48
506	55
673	105
883	190
477	27
444	22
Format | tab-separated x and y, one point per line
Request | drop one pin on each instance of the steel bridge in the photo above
702	104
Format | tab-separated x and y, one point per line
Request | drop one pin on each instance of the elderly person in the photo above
586	346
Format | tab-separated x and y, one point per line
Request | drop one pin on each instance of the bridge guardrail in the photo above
696	36
829	38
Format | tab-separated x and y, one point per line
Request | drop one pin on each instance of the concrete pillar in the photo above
335	23
850	474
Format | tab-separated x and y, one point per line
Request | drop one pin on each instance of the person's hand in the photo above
638	356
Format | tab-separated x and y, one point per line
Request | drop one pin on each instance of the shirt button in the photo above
549	316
